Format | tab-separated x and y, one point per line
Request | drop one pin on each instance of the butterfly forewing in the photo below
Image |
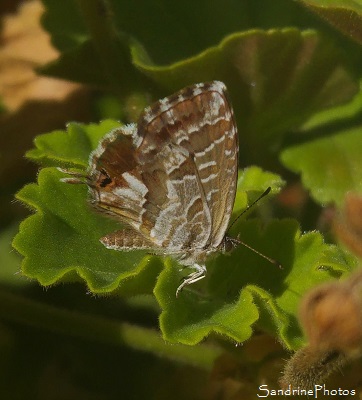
200	120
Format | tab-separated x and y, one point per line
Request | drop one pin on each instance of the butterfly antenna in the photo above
271	260
265	193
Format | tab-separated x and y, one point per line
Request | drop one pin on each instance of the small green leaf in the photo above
71	147
330	167
243	289
191	317
252	182
255	179
61	240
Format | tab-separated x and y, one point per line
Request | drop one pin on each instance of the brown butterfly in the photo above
171	178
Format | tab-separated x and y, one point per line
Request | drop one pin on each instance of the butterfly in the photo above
170	178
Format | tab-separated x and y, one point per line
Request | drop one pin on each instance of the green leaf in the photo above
327	121
71	147
330	167
244	290
252	182
277	79
191	317
345	15
61	241
194	25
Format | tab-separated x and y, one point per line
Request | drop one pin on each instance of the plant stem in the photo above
25	311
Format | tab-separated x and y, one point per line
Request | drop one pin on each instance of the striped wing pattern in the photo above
200	120
171	177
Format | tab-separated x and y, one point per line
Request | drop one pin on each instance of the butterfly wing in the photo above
159	197
172	177
200	120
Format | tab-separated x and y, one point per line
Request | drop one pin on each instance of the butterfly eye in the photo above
104	179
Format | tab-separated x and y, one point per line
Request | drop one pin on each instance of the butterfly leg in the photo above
199	273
